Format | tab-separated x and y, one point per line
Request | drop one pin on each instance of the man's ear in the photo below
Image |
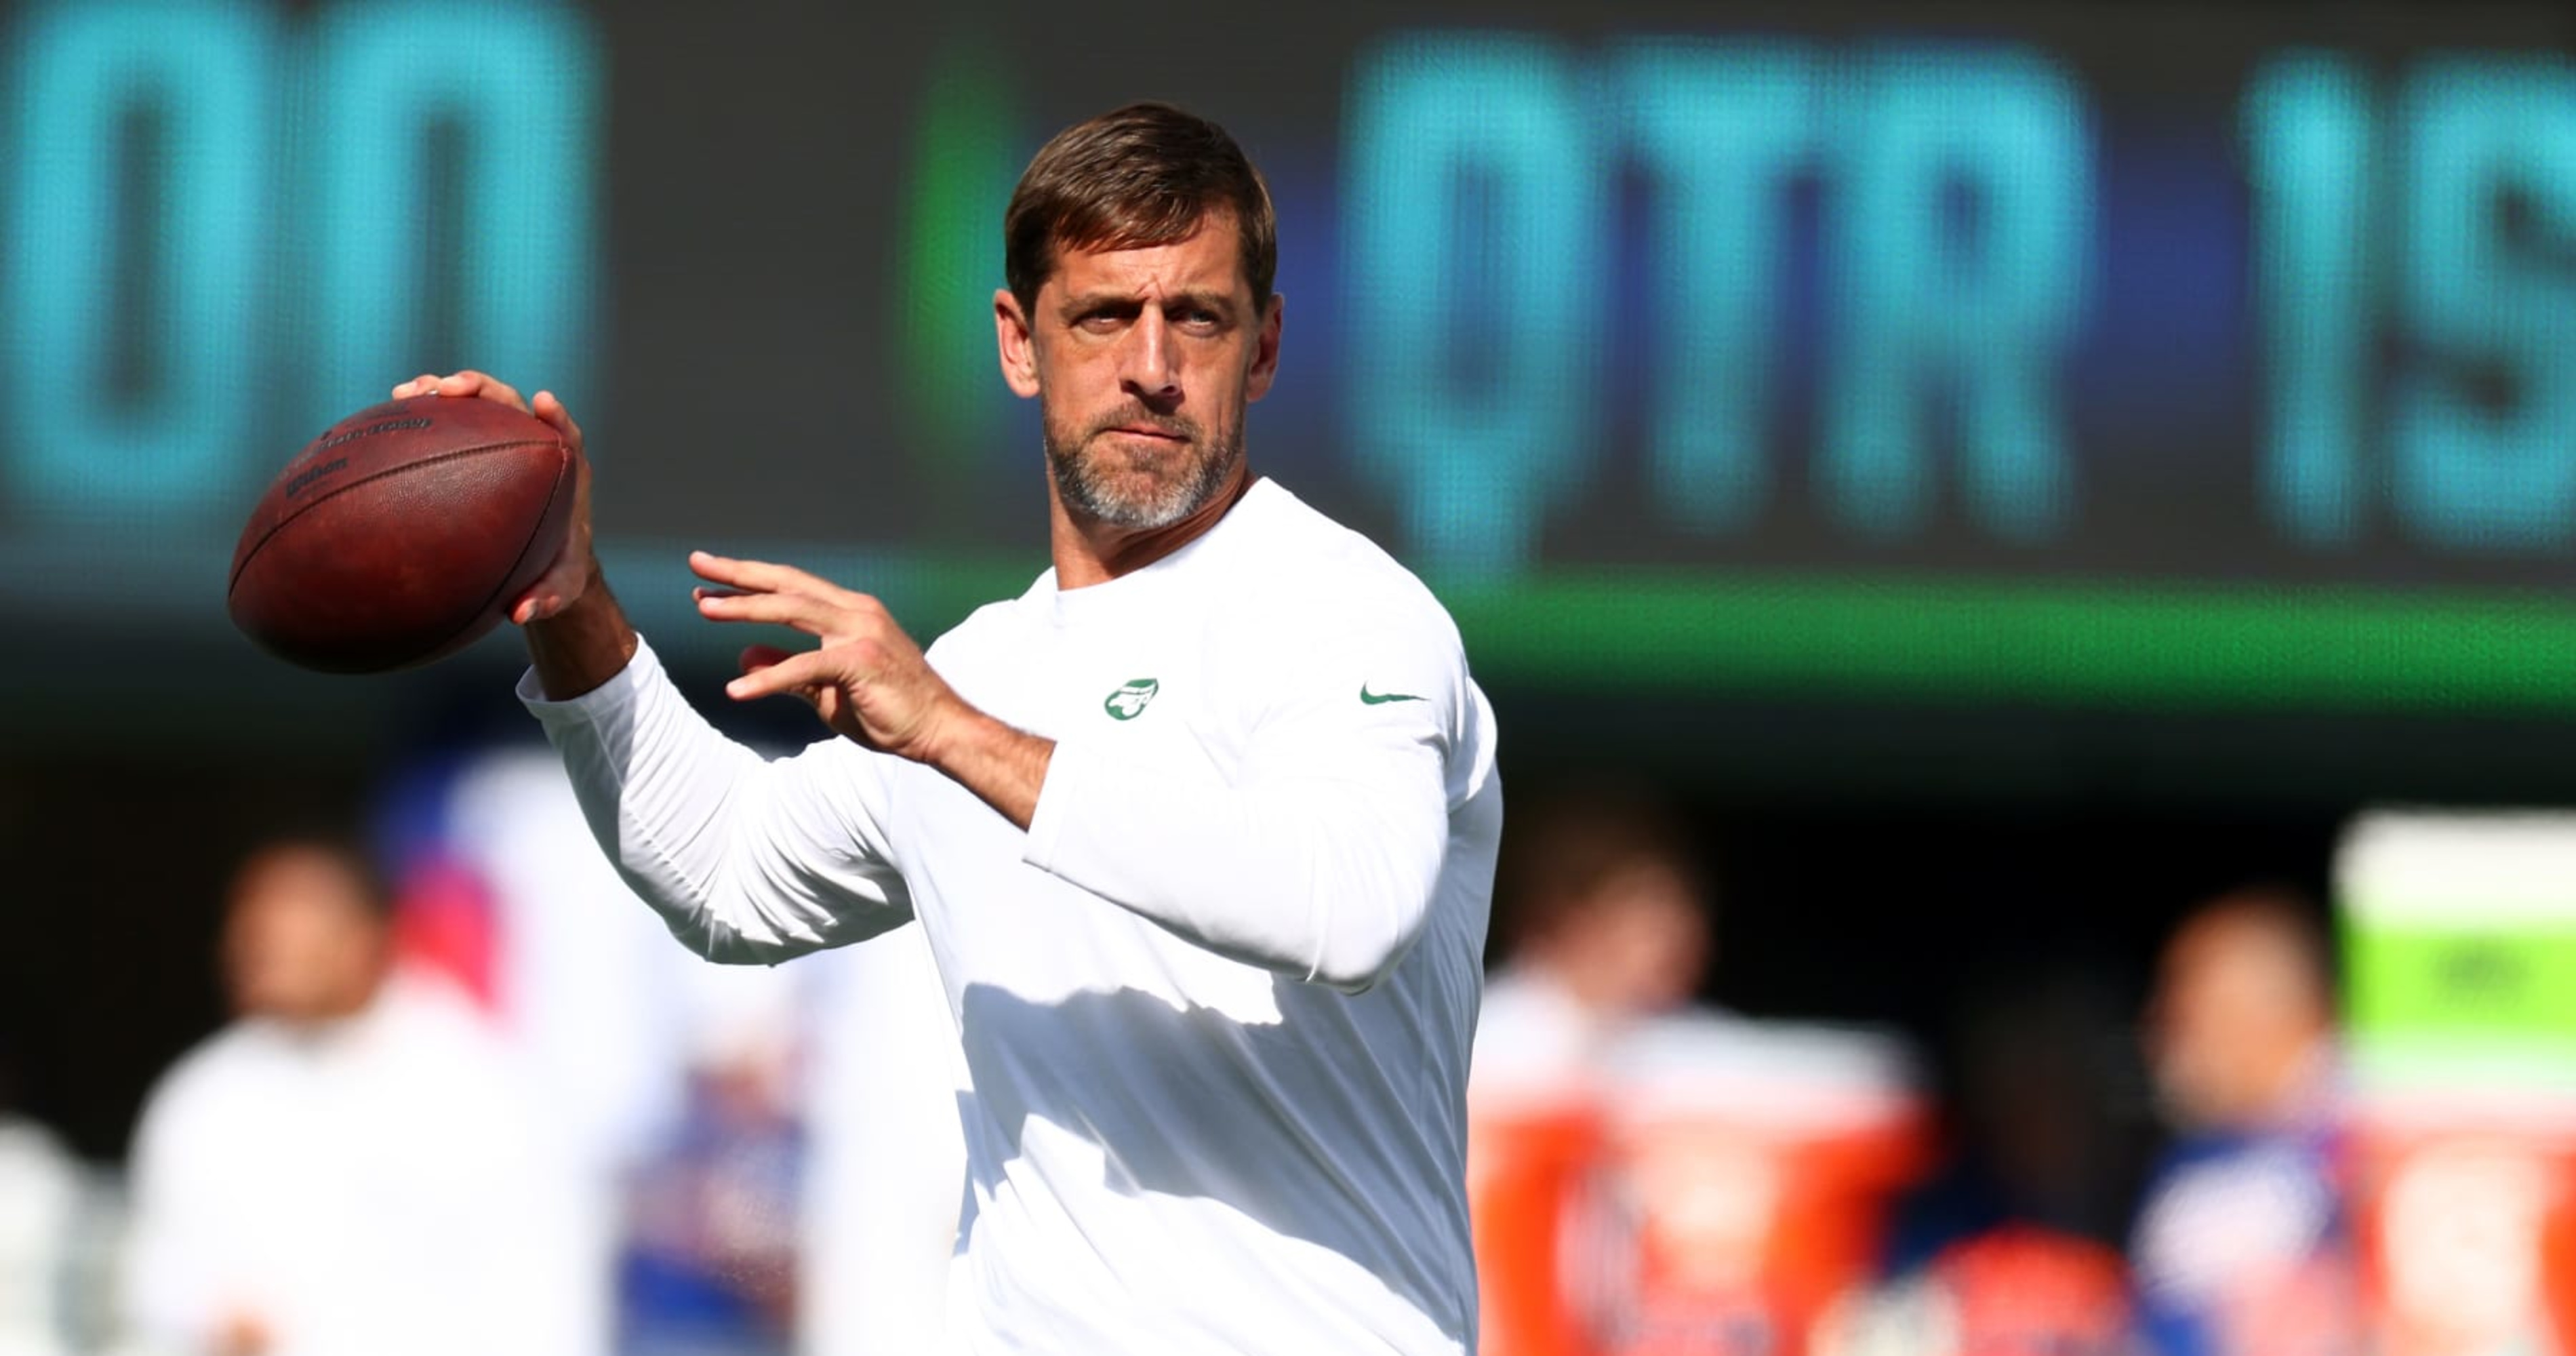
1018	347
1265	350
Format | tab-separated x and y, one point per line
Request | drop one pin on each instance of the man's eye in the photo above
1098	322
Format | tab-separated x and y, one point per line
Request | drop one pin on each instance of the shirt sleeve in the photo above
1322	860
748	860
168	1289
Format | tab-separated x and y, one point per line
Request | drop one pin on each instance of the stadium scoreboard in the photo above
2139	356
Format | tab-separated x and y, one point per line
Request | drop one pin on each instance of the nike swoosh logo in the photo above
1382	698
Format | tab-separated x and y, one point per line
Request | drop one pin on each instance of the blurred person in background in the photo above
2034	1073
350	1168
41	1200
627	1034
2241	1244
709	1266
1606	923
1603	927
2009	1245
1653	1176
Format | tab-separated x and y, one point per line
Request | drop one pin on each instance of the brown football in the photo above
402	534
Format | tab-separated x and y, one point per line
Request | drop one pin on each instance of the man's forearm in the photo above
1004	767
747	861
582	646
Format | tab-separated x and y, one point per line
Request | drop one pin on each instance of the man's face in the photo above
301	942
2232	1024
1143	362
1652	933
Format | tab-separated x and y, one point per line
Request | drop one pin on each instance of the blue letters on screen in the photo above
194	190
522	92
88	75
2492	470
1945	325
285	171
1472	456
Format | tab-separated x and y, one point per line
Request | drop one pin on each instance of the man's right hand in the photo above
573	570
578	637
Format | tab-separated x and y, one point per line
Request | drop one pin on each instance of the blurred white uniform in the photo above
1216	1002
40	1204
587	993
609	1014
1536	1038
376	1188
885	1165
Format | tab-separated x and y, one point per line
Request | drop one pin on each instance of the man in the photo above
2242	1245
1609	928
1602	909
350	1169
1201	827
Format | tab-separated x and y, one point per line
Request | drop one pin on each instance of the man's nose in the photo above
1150	369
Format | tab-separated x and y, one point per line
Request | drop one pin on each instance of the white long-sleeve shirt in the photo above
380	1187
1216	1003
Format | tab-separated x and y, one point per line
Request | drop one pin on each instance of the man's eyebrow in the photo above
1219	302
1112	300
1086	301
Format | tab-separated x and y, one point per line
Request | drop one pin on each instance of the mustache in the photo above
1169	425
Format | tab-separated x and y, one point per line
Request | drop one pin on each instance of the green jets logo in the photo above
1130	700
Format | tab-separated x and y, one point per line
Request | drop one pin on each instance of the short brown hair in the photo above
1559	851
1144	175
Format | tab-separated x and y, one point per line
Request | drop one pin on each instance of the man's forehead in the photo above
298	873
1208	261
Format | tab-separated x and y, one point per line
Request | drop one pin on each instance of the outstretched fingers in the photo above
761	576
750	576
816	617
757	657
792	674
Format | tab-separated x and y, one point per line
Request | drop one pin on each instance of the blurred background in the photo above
2022	553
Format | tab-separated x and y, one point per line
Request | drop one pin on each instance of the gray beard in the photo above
1087	493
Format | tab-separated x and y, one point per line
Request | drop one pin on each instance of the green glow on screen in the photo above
962	168
2082	645
2180	648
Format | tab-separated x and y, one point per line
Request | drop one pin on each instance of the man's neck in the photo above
1091	552
326	1021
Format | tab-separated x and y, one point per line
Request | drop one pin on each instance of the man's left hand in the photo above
867	680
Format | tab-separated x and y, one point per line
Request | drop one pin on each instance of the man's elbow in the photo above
717	943
1369	927
1363	964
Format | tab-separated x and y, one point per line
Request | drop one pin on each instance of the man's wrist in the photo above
1005	767
583	646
